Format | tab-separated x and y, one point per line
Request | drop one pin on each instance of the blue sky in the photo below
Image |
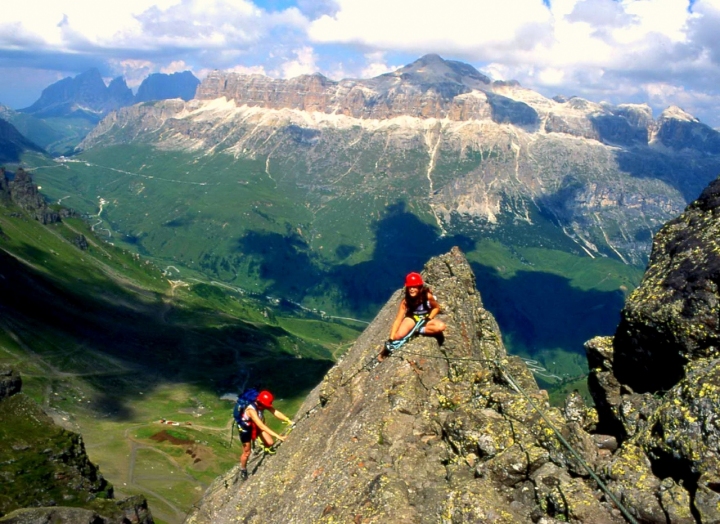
660	52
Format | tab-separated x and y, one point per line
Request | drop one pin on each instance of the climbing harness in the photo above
394	345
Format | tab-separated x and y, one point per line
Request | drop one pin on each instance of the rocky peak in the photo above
120	92
432	69
26	195
87	96
656	383
675	113
443	430
457	431
679	130
161	86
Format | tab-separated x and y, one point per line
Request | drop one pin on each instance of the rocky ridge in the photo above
45	470
480	155
458	431
87	96
22	191
436	433
656	383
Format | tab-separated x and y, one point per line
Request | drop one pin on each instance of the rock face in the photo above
45	467
439	432
26	195
673	317
482	158
656	383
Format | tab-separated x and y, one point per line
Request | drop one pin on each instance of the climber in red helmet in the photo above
252	426
418	303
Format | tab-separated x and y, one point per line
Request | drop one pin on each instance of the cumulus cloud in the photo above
615	49
376	65
303	64
135	25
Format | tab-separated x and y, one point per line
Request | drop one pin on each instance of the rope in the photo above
575	454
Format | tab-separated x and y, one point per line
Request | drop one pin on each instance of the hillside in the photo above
12	143
46	473
108	346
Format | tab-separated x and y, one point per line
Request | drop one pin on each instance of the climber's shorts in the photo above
245	436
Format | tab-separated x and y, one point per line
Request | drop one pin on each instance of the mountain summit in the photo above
87	96
433	69
84	95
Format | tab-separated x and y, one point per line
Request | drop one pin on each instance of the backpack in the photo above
244	399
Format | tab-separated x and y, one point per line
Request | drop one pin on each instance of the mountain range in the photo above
474	154
326	193
87	96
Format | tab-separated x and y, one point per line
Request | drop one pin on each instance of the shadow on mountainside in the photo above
536	311
72	332
403	243
688	173
542	311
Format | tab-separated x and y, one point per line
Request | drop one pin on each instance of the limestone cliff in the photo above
443	431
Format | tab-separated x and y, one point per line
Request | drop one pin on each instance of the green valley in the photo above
110	347
250	225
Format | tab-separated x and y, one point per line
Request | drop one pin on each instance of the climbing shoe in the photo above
243	474
268	450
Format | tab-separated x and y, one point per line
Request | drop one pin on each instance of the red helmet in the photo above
265	399
413	280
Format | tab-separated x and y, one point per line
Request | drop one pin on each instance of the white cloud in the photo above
425	25
74	24
376	65
304	64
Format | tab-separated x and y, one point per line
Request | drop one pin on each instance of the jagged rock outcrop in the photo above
10	382
656	383
45	467
439	432
26	195
85	95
